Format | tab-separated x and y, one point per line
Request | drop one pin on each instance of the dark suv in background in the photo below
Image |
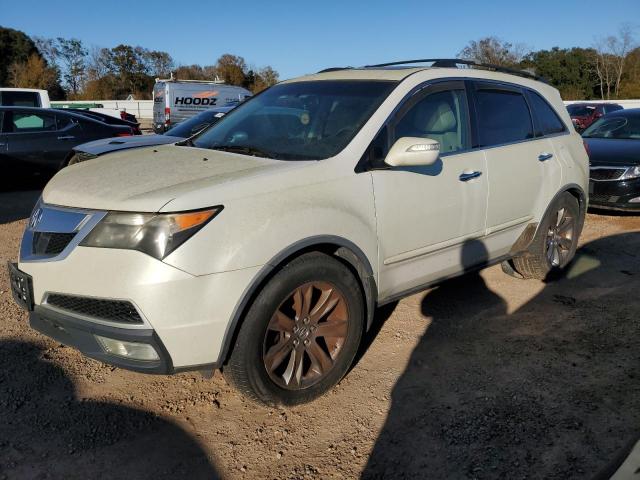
584	114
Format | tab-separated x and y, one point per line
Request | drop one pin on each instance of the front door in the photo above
427	215
34	141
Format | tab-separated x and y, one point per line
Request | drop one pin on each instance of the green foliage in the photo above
15	47
569	70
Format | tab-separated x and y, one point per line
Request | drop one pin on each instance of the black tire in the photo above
247	368
540	260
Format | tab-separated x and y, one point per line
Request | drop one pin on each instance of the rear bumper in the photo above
615	195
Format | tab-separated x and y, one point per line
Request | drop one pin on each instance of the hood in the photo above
611	151
145	180
106	145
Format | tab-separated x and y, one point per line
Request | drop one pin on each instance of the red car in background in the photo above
584	114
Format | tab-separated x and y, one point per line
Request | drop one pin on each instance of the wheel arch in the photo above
345	250
527	236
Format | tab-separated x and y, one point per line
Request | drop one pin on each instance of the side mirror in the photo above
413	152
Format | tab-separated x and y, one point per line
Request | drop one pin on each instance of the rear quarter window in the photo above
547	120
503	117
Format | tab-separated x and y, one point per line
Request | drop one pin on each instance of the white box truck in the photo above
177	100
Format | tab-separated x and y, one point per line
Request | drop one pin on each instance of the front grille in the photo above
600	174
598	198
50	243
119	311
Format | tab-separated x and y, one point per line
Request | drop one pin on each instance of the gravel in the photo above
483	377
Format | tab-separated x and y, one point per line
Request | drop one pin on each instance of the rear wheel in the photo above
301	333
554	245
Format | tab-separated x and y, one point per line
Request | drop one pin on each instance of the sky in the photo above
299	37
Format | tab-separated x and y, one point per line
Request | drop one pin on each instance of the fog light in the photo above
134	350
635	200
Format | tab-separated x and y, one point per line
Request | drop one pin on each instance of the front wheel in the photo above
301	333
556	240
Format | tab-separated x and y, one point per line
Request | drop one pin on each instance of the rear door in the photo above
516	160
159	105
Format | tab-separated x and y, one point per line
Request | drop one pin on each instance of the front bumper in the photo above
186	316
615	195
81	334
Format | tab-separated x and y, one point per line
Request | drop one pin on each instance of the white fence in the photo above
142	109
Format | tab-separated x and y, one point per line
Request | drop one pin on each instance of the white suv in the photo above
263	245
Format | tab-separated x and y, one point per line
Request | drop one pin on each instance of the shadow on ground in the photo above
550	391
46	431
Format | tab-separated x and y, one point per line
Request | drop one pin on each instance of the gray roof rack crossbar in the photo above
454	62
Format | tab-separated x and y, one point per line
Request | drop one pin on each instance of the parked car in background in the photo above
37	139
175	101
24	97
188	128
613	144
263	244
107	118
97	108
584	114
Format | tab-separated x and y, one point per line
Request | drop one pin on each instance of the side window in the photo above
503	117
64	121
32	122
548	121
441	116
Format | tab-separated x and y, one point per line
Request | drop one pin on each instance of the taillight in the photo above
124	134
167	116
586	147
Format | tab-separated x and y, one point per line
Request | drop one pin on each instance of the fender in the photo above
346	249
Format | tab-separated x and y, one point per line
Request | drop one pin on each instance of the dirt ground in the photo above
482	377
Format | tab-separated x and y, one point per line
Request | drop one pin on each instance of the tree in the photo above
262	79
566	69
231	69
159	64
34	73
494	51
15	47
609	60
72	55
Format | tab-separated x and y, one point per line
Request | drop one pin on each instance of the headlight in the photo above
632	172
156	234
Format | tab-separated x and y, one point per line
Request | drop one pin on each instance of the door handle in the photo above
543	157
66	137
466	176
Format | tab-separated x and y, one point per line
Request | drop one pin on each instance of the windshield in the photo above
190	127
580	110
298	121
627	127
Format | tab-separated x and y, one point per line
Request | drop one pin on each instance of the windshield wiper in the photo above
244	149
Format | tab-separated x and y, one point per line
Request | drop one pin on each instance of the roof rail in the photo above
454	62
334	69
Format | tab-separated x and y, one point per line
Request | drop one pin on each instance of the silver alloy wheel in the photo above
560	238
